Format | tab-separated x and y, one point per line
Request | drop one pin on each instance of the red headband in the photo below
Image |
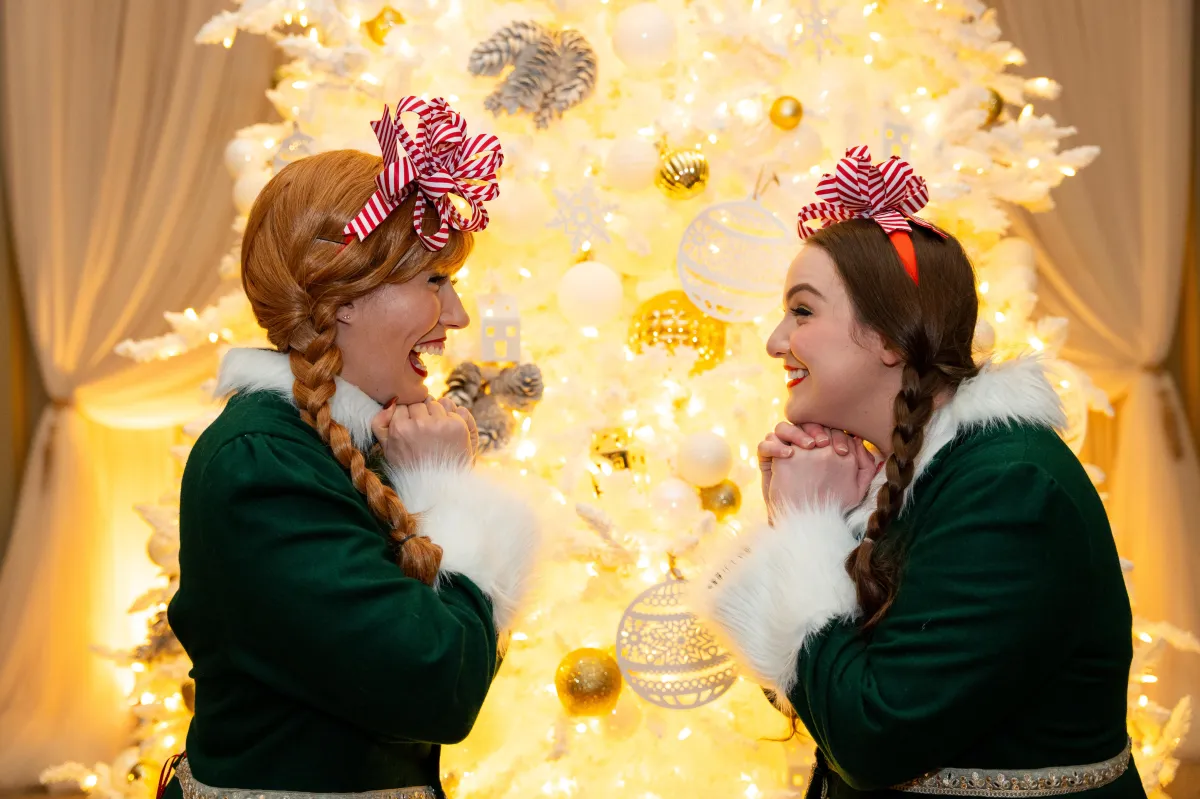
889	193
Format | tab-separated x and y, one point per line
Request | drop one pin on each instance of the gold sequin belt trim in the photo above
1039	782
194	789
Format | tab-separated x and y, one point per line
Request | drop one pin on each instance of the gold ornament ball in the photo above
378	26
786	112
682	174
588	682
994	106
670	319
724	499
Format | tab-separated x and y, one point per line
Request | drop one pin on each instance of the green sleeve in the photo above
979	620
317	609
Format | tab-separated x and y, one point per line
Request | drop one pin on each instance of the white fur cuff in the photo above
785	584
486	534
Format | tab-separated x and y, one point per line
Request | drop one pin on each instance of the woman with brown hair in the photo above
952	619
345	577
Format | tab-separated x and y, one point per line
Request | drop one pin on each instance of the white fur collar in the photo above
244	370
1010	392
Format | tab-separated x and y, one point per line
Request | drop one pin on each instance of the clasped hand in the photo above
809	464
432	430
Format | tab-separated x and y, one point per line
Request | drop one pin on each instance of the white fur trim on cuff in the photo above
486	534
784	584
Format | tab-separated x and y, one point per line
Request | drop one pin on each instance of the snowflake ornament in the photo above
583	215
812	26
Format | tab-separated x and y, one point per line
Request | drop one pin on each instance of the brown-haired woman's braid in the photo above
875	580
315	368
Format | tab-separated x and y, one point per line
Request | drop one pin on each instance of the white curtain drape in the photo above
113	127
1111	257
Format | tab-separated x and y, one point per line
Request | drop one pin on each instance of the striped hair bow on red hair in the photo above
889	193
439	160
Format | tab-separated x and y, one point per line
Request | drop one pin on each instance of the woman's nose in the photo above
454	315
777	342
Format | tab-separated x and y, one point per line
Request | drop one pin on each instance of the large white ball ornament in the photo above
520	214
704	459
247	187
644	36
589	294
673	495
804	148
242	154
631	164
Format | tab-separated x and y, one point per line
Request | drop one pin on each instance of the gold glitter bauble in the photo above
672	320
786	112
614	445
724	499
994	106
682	173
378	26
588	682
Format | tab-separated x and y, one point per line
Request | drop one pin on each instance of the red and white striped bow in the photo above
438	161
890	193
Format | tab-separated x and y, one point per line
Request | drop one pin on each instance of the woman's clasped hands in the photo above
809	465
424	431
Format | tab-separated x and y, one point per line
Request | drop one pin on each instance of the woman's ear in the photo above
347	313
883	349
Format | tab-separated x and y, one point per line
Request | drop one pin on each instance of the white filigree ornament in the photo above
732	260
666	655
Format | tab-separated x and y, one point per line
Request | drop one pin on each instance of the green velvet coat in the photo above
1008	646
319	667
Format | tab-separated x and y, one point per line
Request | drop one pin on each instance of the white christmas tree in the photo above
656	154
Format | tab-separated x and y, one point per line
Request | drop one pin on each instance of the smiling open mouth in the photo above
434	347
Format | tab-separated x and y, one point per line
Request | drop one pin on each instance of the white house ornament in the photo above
732	259
667	656
500	328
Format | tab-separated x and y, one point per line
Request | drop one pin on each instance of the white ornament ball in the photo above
520	214
631	164
704	459
644	36
804	147
589	294
247	187
673	496
715	250
241	154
